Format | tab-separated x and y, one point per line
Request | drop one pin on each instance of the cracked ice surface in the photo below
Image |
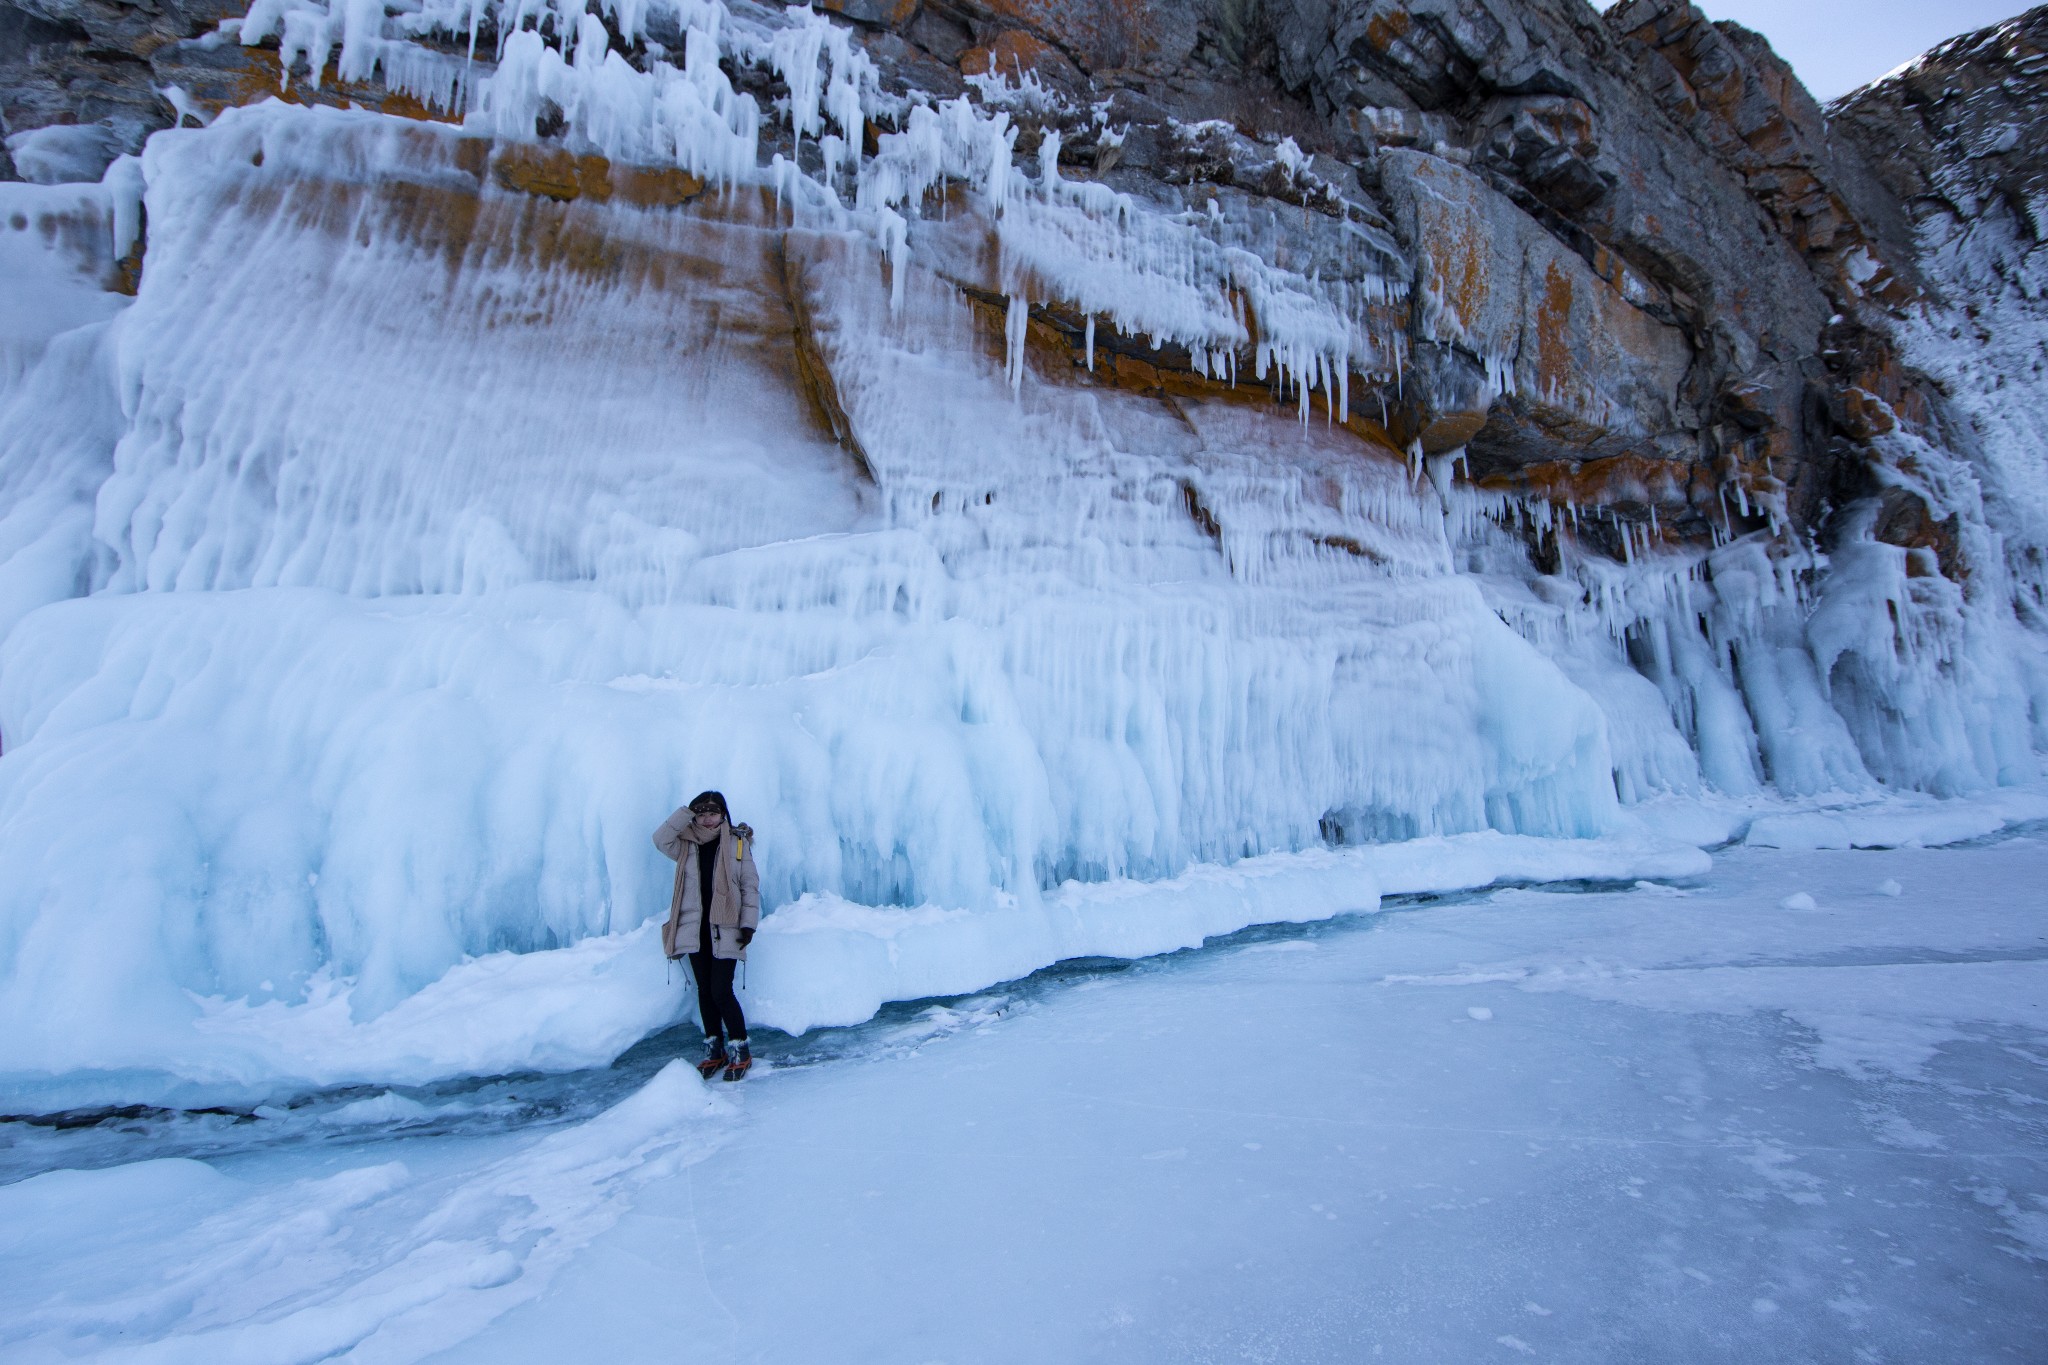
1677	1121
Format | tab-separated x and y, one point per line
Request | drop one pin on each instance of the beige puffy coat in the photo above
735	887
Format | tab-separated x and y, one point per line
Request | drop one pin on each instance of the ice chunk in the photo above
64	152
389	1107
413	1260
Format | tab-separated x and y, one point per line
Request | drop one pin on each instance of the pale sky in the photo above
1837	45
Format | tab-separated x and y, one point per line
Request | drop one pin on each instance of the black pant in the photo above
720	1007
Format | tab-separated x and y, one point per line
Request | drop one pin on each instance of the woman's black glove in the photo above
746	936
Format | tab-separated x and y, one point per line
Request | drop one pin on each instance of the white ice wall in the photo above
373	585
427	576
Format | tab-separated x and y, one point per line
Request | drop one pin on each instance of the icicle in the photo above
1016	327
1089	342
895	234
123	180
996	183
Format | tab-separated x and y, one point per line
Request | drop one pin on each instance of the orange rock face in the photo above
556	174
1626	234
1014	52
243	75
1106	35
1510	307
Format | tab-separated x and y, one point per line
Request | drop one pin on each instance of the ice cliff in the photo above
1012	448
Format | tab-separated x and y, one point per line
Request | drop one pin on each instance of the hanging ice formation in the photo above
448	504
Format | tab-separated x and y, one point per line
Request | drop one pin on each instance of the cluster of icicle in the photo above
1185	280
1811	670
1175	279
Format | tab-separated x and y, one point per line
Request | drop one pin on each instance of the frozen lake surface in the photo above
1796	1110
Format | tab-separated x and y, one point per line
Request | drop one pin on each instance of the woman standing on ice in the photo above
712	918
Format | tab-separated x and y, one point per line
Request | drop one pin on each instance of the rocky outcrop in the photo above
89	64
1961	136
1623	260
117	72
1960	140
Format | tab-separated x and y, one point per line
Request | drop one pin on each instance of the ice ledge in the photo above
824	961
819	962
1901	821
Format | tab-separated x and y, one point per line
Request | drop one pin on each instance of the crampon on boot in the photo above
738	1061
714	1058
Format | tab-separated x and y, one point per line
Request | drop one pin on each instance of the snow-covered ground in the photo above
1796	1108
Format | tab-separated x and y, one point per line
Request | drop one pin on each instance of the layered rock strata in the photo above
1645	276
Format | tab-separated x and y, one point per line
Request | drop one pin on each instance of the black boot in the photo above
714	1057
738	1060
